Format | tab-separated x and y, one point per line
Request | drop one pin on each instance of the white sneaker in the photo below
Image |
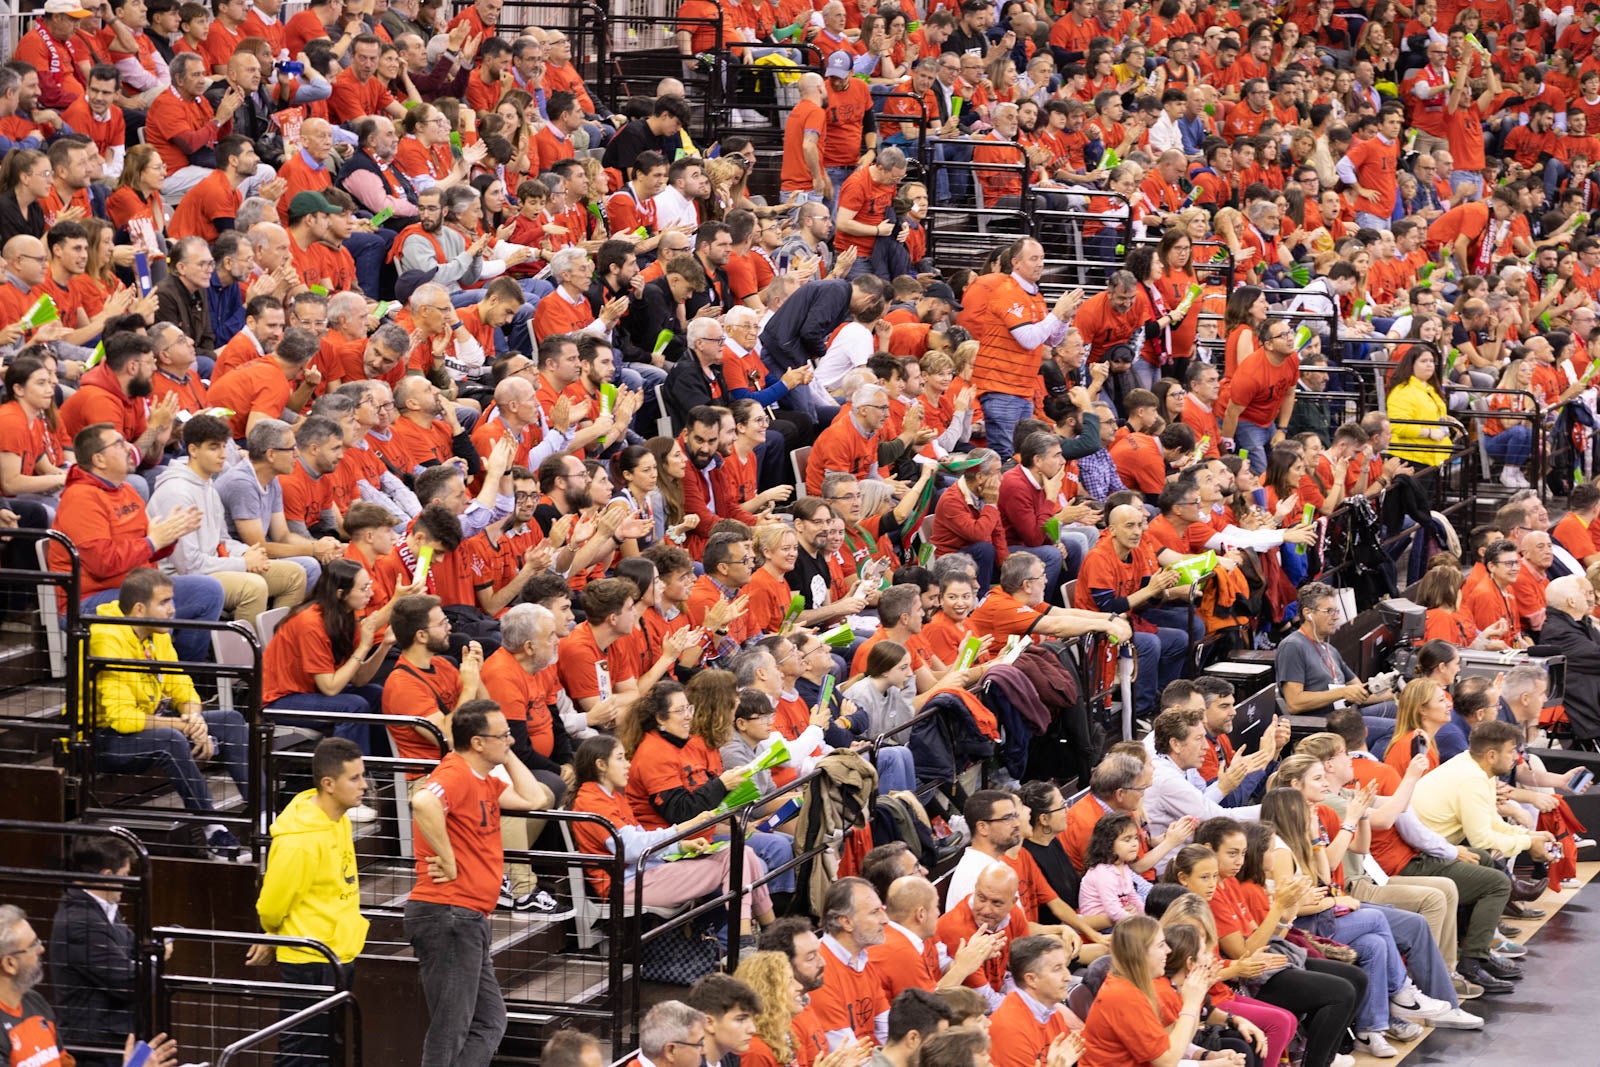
1512	478
1413	1003
1342	1060
1375	1044
1456	1019
361	813
1570	883
1583	842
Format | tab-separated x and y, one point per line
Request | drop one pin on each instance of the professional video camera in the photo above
1395	644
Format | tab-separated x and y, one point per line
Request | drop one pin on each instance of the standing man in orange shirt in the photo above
1262	399
1013	330
1370	166
460	860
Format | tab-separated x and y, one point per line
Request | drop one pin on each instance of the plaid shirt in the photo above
1099	475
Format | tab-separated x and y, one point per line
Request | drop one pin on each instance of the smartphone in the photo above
1583	781
1419	745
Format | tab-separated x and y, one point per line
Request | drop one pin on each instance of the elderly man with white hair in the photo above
566	308
853	442
441	333
1570	631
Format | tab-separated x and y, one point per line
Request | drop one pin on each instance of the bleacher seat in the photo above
799	457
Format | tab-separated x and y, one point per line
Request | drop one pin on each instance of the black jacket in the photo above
654	311
1577	640
687	387
799	330
92	969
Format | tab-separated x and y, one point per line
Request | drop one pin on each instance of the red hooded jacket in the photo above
108	525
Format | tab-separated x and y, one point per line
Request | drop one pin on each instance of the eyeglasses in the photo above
284	448
496	737
873	407
1002	818
846	496
29	949
1034	578
1508	562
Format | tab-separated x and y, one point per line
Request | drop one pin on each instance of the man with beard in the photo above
371	176
308	500
181	295
263	329
800	945
27	1024
510	551
115	391
850	1004
430	245
702	434
996	829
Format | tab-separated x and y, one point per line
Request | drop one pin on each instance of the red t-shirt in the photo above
410	691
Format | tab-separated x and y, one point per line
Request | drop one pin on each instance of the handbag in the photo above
681	956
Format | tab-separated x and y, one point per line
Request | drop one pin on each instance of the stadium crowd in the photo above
374	329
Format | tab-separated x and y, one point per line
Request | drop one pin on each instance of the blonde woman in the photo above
1126	1025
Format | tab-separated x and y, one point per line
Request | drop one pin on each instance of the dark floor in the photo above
1548	1020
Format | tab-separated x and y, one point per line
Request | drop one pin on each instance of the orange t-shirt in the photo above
1017	1038
1123	1029
411	691
523	697
807	117
849	999
1260	388
585	670
869	200
901	966
472	820
1002	615
258	386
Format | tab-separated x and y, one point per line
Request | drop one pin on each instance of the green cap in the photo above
309	203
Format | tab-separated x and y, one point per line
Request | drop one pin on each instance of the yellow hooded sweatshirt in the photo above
310	889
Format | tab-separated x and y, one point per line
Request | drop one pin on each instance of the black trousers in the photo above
1325	996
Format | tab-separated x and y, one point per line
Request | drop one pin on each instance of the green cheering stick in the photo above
424	561
1302	337
1193	568
840	636
791	614
969	653
663	339
43	311
775	756
826	698
96	356
1307	513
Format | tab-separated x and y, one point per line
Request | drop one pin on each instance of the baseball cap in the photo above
941	291
309	203
65	7
840	64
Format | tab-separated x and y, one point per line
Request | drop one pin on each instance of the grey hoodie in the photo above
195	553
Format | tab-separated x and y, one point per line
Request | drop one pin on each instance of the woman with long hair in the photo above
1330	912
1187	949
1424	708
138	191
676	775
31	460
1125	1025
634	472
782	998
327	652
497	210
602	770
1427	994
1245	311
1417	409
25	178
1285	471
1176	256
1276	1026
95	285
1440	592
1159	318
1511	440
1323	994
886	693
672	466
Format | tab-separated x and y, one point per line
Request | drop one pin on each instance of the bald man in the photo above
992	908
910	956
26	263
804	179
515	412
1570	632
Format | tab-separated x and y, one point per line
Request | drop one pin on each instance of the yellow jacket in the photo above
126	697
310	888
1416	399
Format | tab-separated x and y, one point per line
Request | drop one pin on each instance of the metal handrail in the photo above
343	1000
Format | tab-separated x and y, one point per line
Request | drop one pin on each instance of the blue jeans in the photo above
1470	177
775	849
196	597
355	700
1512	445
1001	413
466	1010
1380	724
166	747
836	177
1050	556
1161	656
369	250
1257	440
1416	944
1177	617
1367	931
895	769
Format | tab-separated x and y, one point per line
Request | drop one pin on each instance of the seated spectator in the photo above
881	694
30	1026
1032	495
991	906
968	520
278	386
1045	810
1570	632
729	1007
1118	785
914	1016
1312	676
252	500
602	775
105	519
325	654
1124	1025
1110	891
247	575
107	394
31	462
1458	799
850	1005
671	1025
1032	1024
425	683
145	719
1177	792
93	966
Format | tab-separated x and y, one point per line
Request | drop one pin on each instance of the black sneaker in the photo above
222	845
536	901
1503	969
507	900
